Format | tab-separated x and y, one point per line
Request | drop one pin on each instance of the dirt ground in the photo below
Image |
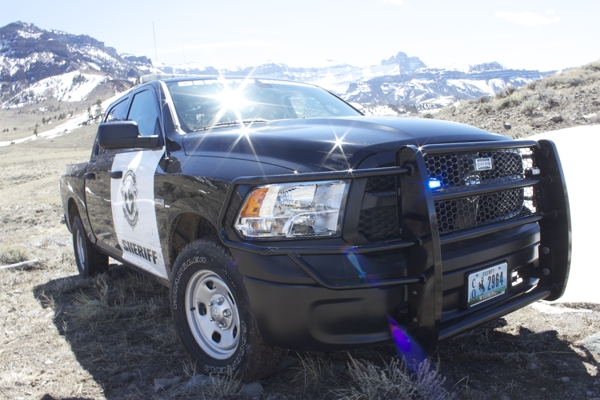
63	337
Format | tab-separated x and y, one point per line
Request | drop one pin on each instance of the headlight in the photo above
291	210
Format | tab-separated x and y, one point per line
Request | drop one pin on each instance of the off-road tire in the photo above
205	275
89	260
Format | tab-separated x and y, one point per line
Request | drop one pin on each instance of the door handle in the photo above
89	175
116	174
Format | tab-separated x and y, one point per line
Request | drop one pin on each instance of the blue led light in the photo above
433	184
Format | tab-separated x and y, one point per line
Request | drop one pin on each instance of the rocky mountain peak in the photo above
19	28
30	54
143	60
407	64
489	66
21	39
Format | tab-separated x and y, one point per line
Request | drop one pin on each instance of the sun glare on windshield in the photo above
232	99
206	104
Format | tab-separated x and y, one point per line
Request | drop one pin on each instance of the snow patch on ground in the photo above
577	168
546	308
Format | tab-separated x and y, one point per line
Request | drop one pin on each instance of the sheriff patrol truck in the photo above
282	218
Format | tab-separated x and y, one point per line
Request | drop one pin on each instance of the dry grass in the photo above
118	323
393	380
573	94
114	323
314	374
13	254
215	387
112	336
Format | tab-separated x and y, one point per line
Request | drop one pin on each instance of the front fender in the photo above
200	189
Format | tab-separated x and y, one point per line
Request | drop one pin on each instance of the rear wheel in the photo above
89	260
212	314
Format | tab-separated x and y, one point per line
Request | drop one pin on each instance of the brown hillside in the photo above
558	101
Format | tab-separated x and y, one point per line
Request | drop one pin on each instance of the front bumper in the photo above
328	295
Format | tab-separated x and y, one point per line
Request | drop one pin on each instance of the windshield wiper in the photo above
249	121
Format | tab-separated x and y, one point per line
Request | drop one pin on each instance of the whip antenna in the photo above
155	52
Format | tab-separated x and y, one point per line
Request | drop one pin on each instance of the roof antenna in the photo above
155	52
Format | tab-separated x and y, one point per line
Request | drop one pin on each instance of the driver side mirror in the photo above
122	135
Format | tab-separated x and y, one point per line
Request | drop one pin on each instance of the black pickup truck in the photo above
282	218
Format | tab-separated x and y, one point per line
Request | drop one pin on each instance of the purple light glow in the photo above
406	347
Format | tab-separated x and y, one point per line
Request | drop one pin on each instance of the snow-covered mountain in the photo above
36	64
399	80
428	88
336	77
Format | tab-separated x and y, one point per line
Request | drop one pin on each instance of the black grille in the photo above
469	212
457	170
381	223
454	170
378	184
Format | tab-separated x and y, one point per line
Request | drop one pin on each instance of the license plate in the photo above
487	284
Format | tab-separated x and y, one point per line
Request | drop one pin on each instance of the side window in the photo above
144	111
118	112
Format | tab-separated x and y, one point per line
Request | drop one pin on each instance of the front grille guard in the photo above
421	241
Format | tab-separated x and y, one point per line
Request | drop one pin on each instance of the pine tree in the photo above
98	111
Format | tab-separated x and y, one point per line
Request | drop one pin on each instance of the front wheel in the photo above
212	314
89	260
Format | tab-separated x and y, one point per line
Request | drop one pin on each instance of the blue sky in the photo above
531	34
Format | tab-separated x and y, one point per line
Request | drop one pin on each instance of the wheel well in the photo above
73	211
186	228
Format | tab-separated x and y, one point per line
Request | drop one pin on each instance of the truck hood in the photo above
328	144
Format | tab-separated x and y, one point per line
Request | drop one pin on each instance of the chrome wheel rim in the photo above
80	241
212	314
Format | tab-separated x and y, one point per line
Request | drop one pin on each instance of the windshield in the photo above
212	103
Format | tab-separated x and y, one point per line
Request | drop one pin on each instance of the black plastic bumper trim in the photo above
313	250
496	312
342	286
